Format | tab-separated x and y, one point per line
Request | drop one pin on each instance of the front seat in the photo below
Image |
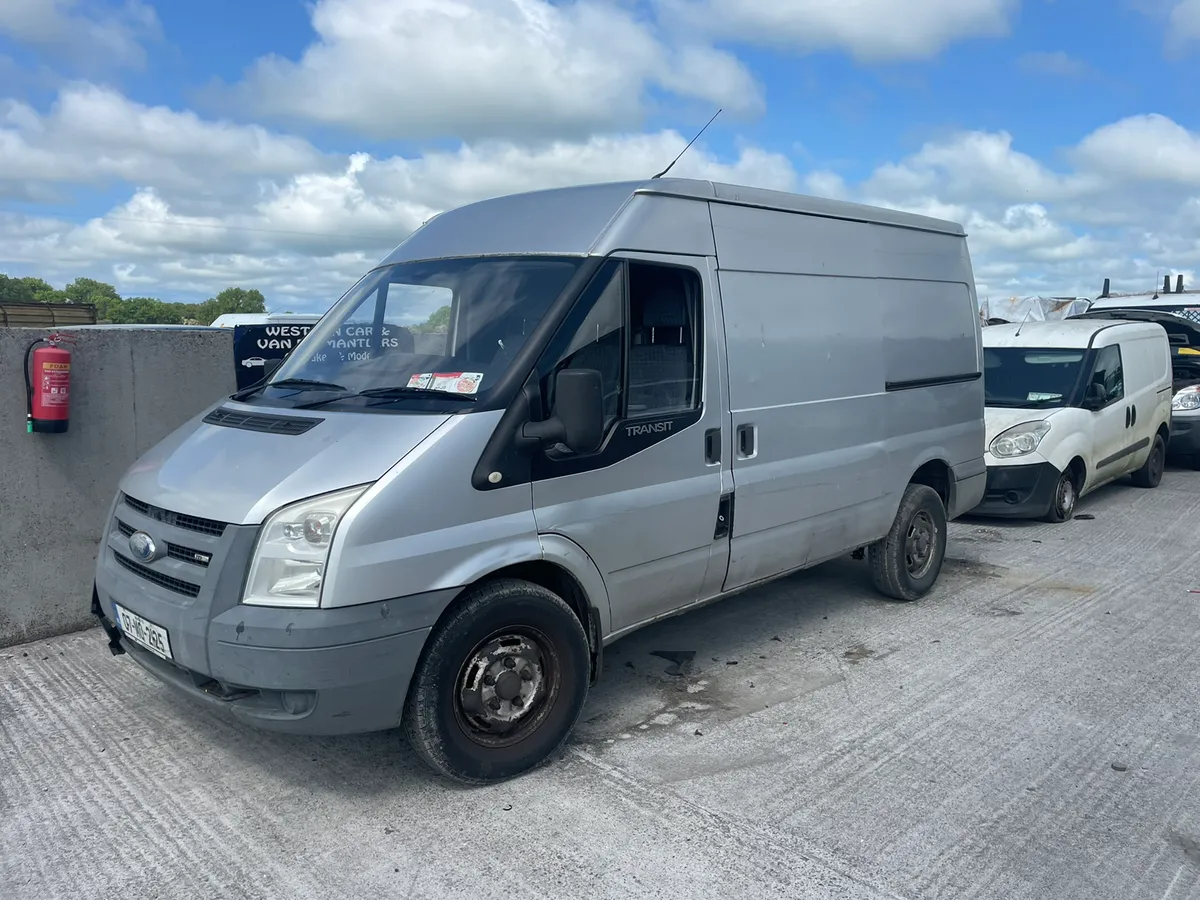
660	359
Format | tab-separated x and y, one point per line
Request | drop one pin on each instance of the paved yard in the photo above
1030	730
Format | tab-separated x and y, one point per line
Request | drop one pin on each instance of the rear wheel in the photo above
1151	472
906	563
500	684
1066	495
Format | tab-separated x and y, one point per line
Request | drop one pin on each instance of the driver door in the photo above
645	506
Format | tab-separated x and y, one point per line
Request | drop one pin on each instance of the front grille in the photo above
174	551
177	520
270	424
178	585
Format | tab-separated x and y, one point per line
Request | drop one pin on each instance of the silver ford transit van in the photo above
542	422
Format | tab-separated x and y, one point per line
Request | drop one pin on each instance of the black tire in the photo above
449	717
1066	496
1151	472
903	565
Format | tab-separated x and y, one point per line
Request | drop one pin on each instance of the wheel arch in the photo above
566	570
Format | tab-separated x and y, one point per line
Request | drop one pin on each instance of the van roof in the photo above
1062	333
1148	300
572	220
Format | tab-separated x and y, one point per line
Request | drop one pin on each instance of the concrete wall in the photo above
130	387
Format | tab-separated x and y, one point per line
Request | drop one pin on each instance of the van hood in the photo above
240	476
998	419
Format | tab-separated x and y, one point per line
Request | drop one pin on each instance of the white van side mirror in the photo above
578	417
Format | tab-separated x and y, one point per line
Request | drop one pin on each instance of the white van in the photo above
543	422
1071	406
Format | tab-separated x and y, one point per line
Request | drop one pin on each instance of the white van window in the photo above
646	347
1033	378
1109	374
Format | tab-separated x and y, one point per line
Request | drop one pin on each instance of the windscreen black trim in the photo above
918	383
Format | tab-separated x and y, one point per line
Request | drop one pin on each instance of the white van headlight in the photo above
1019	440
288	566
1186	399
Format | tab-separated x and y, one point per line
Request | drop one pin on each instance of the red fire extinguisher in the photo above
48	385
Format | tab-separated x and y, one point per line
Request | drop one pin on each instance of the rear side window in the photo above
1109	374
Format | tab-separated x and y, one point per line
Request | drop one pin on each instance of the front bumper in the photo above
1019	492
1185	436
316	672
306	671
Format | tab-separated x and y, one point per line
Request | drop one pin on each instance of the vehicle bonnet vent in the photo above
270	424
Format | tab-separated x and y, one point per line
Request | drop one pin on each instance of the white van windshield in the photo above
1029	377
441	329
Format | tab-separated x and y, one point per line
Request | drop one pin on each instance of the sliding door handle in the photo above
747	438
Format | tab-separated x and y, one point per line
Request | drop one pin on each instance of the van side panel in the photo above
853	352
808	379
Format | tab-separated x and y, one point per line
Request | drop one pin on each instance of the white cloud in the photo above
82	32
870	30
487	68
1184	23
95	135
1144	148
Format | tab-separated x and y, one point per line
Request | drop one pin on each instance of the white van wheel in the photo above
1066	494
500	684
1151	472
906	563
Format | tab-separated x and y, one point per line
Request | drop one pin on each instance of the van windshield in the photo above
1029	377
435	334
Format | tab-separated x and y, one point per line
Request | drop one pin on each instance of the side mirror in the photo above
578	417
1094	397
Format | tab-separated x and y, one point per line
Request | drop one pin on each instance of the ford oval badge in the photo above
142	546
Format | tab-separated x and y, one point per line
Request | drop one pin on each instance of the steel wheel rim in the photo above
920	541
1157	460
506	686
1066	496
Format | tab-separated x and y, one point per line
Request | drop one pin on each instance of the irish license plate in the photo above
153	637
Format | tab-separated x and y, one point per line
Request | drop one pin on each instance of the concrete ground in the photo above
1029	730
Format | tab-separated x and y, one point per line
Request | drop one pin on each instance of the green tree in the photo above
88	290
29	290
438	322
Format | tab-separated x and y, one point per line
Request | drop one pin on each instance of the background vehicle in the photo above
1071	406
1178	312
542	422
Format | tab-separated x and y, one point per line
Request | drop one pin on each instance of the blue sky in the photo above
175	148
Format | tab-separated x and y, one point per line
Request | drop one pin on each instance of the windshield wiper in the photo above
287	383
390	393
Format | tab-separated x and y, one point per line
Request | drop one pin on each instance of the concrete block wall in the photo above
130	387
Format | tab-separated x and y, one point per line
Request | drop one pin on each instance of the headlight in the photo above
288	566
1188	398
1019	440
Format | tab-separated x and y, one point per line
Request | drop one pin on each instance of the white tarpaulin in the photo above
1031	309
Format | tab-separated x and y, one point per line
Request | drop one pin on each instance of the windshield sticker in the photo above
421	381
1035	396
457	382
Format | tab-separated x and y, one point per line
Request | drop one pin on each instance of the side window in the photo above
664	351
599	343
1109	374
641	333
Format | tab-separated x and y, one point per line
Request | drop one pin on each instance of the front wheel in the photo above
906	563
1066	494
1151	472
500	684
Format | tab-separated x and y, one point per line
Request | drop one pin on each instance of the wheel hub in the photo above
502	683
919	544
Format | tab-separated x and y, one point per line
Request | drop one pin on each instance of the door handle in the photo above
712	446
1127	423
747	440
1133	414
